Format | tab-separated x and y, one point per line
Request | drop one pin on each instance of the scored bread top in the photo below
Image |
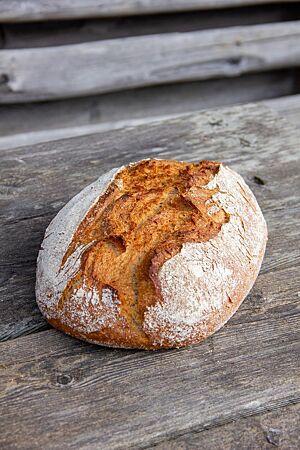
154	254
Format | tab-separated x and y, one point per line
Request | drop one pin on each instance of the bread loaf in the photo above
156	254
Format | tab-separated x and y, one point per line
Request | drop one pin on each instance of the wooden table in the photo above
240	389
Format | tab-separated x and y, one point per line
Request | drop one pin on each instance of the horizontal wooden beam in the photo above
28	124
112	65
32	10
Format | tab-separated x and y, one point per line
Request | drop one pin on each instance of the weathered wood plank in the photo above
53	33
30	177
289	107
111	65
97	397
31	10
28	124
138	104
103	398
275	429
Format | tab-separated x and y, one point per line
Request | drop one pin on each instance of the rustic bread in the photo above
156	254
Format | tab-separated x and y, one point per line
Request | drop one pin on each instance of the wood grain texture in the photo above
289	107
97	397
28	124
31	10
275	429
111	65
103	398
106	398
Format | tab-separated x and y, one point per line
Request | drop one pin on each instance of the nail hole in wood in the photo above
259	181
273	436
64	379
4	78
235	60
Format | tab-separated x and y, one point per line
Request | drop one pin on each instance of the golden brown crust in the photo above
147	215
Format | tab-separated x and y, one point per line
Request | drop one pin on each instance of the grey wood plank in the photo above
103	398
31	10
62	32
274	429
27	124
34	186
289	107
111	65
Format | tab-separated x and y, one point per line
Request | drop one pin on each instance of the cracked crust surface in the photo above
157	254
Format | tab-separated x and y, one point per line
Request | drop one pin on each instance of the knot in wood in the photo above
64	379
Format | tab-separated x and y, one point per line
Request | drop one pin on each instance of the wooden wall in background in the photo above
109	63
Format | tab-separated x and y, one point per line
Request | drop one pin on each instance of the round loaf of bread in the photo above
156	254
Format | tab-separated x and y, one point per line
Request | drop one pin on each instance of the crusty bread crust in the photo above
157	254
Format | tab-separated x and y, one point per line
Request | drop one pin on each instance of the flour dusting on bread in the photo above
89	311
205	276
52	276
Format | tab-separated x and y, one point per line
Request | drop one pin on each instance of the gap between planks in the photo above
225	378
65	32
279	427
36	10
